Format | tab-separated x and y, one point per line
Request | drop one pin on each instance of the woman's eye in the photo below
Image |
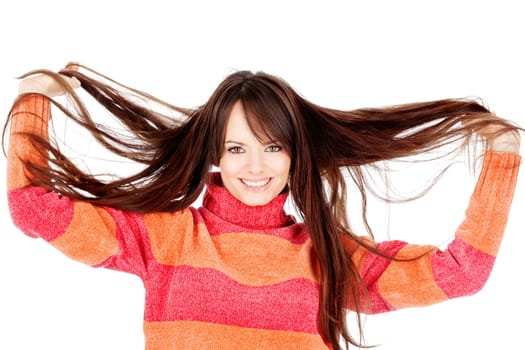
274	148
235	149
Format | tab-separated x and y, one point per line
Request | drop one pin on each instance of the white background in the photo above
342	54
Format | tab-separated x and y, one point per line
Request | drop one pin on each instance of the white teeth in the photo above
255	183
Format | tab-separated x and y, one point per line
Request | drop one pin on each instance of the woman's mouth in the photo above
256	183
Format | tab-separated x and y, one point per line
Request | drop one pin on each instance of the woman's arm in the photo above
429	275
93	235
31	116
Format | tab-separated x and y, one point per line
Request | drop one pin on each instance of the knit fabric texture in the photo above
231	276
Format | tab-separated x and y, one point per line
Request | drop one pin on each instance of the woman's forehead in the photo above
244	124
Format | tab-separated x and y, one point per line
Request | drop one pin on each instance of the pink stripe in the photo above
461	269
134	254
294	233
373	268
39	212
207	295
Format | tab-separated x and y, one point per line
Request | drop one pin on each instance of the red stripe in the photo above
207	295
39	212
373	268
461	269
294	233
134	253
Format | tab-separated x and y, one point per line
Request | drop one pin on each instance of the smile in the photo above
256	183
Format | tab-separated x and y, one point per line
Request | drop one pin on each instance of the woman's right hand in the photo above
48	85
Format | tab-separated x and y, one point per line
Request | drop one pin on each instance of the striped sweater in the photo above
231	276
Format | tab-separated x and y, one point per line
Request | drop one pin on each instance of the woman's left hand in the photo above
508	141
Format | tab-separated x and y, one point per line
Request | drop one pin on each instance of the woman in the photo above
239	271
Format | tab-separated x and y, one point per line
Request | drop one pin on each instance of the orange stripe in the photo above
189	335
90	237
256	259
487	244
169	233
411	283
357	252
490	203
29	116
19	148
251	259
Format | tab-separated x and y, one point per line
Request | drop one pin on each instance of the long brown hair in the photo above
324	145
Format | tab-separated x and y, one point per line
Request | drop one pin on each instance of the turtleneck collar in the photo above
222	203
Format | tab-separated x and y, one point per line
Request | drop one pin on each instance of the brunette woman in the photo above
240	272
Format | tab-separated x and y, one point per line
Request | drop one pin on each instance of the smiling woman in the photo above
253	171
239	270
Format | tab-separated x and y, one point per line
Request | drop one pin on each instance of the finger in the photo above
72	66
74	82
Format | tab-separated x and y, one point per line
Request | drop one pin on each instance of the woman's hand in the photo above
50	85
508	141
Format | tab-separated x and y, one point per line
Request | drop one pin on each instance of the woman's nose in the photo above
255	162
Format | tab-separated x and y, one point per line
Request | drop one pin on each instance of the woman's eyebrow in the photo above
243	144
272	142
236	142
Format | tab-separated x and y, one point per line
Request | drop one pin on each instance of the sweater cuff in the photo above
30	115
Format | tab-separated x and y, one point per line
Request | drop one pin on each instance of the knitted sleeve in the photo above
94	235
429	275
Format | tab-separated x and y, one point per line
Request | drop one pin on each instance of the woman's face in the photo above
253	172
